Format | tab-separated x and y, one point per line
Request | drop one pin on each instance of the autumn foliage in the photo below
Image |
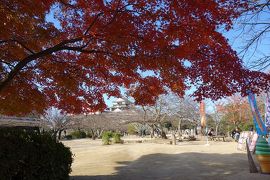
95	46
236	110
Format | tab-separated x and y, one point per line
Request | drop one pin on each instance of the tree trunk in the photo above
55	132
59	134
162	133
179	128
216	129
173	139
228	132
93	134
99	133
152	130
202	131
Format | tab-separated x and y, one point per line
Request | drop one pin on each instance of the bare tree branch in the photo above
255	28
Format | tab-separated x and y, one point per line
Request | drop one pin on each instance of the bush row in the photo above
107	137
31	155
78	134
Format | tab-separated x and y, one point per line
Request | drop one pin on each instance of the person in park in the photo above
210	132
233	133
236	134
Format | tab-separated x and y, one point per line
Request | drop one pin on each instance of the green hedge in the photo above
29	155
78	134
131	129
89	134
117	138
107	135
68	137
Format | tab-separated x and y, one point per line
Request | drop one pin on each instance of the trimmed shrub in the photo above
68	137
89	134
78	134
30	155
106	137
131	129
83	134
167	125
117	138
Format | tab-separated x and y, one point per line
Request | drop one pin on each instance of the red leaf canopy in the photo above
102	45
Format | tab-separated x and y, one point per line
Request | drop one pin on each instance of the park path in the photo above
187	161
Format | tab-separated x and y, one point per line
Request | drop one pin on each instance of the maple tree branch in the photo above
21	64
101	13
18	42
86	44
118	10
66	4
24	46
3	41
7	63
93	22
80	49
61	46
114	14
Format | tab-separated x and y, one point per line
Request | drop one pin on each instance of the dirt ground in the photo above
187	160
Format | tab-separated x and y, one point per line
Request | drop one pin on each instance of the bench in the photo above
187	138
133	141
217	138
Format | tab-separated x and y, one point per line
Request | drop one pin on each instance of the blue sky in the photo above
241	34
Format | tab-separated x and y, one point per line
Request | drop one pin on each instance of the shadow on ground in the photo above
186	166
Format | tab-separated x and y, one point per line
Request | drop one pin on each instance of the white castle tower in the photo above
120	104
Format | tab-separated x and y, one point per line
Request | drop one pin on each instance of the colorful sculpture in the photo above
263	154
